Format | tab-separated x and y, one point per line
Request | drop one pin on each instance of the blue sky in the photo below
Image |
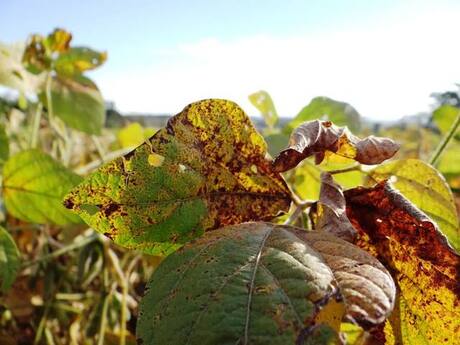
383	57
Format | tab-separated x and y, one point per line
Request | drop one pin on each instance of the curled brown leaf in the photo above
329	213
319	137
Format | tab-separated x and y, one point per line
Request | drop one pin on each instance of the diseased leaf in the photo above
77	60
264	103
261	283
427	189
33	187
9	260
329	213
318	138
426	268
78	102
328	109
206	169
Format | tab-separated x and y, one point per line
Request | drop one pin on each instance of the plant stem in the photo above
356	167
99	148
124	290
298	211
62	250
442	145
105	307
36	125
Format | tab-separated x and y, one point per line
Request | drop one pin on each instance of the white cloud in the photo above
386	71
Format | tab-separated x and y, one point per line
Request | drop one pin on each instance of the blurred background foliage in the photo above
62	283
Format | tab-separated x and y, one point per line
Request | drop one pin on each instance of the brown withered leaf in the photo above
329	213
425	267
320	137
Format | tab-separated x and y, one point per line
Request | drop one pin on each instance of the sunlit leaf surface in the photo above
425	267
427	189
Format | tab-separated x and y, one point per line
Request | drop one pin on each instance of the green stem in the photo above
356	167
105	307
36	125
124	290
62	250
442	145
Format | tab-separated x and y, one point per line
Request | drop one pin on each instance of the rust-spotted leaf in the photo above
206	169
329	213
319	138
425	267
261	283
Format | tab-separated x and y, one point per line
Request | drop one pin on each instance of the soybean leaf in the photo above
206	169
324	108
319	138
329	213
78	102
444	117
133	135
9	260
77	60
40	51
261	283
425	267
33	187
264	103
427	189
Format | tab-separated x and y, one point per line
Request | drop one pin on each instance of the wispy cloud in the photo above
386	71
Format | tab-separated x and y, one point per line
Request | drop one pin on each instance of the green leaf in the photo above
4	145
424	186
324	108
77	60
263	102
444	118
78	102
33	187
132	135
206	169
9	260
260	283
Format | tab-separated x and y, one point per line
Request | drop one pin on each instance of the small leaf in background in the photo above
318	138
263	284
206	169
33	187
133	135
425	267
9	260
40	51
4	145
449	165
77	60
427	189
264	103
324	108
78	103
12	72
444	117
329	213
